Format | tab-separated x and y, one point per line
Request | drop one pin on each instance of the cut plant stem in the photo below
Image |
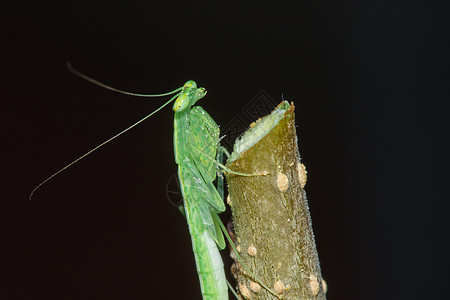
271	214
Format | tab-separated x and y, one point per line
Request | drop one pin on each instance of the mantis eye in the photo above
190	84
181	103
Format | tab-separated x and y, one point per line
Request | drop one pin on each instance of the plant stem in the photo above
271	217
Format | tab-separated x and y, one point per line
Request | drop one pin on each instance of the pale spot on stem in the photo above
324	285
282	182
255	287
314	284
301	174
252	250
279	287
245	292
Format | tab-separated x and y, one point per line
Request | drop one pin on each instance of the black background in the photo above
370	83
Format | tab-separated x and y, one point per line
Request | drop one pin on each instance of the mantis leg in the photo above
225	168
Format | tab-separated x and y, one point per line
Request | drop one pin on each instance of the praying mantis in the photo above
198	155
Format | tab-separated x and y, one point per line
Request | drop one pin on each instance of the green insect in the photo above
196	146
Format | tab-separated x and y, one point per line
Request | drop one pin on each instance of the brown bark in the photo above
271	217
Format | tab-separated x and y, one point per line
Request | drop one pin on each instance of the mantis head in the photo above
189	95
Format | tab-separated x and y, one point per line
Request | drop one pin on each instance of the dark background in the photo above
370	83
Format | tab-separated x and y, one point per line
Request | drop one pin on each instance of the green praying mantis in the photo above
198	155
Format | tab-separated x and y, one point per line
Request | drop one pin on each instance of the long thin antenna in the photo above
71	69
101	145
79	74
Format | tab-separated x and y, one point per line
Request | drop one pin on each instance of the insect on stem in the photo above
196	147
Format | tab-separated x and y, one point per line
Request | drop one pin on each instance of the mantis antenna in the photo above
74	71
85	77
